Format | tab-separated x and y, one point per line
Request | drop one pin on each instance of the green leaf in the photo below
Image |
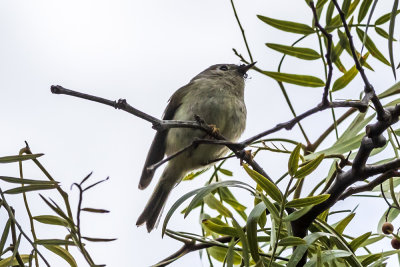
329	255
287	26
370	258
329	13
226	172
29	188
215	204
4	236
95	210
345	79
383	33
219	254
243	240
271	207
346	6
385	18
358	241
17	158
193	175
96	239
269	187
309	167
293	163
391	32
296	214
60	242
11	261
339	241
343	223
320	3
369	44
301	249
302	80
221	229
299	52
365	5
208	189
51	219
228	197
15	180
63	253
307	201
175	206
394	89
290	241
372	240
251	229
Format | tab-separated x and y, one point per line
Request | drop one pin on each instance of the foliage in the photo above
268	236
61	217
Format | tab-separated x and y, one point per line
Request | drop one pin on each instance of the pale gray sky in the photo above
142	51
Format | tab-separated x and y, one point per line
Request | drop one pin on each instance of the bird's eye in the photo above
223	67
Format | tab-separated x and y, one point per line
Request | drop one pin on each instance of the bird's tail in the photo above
152	212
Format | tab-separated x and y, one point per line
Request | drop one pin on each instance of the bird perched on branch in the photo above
216	96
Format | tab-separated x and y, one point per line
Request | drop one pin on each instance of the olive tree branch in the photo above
371	185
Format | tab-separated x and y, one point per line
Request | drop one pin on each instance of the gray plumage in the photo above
216	95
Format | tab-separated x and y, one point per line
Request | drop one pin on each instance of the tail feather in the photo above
152	212
154	207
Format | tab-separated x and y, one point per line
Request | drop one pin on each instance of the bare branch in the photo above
371	185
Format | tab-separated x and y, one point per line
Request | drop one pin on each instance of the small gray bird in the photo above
216	95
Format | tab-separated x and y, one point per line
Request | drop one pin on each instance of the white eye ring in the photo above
223	67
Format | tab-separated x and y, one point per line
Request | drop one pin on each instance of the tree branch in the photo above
371	185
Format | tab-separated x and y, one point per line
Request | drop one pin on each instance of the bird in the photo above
216	95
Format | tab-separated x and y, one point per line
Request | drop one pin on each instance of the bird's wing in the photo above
157	149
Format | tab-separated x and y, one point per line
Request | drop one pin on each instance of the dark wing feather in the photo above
157	149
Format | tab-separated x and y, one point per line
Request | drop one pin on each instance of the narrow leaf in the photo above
11	261
251	229
17	158
63	253
291	241
95	210
309	167
219	253
303	202
299	52
357	242
385	18
287	26
296	214
269	187
293	163
96	239
343	223
365	5
51	219
60	242
29	188
15	180
215	204
302	80
391	33
345	79
221	229
370	45
383	33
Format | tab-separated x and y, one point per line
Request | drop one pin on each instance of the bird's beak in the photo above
242	69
